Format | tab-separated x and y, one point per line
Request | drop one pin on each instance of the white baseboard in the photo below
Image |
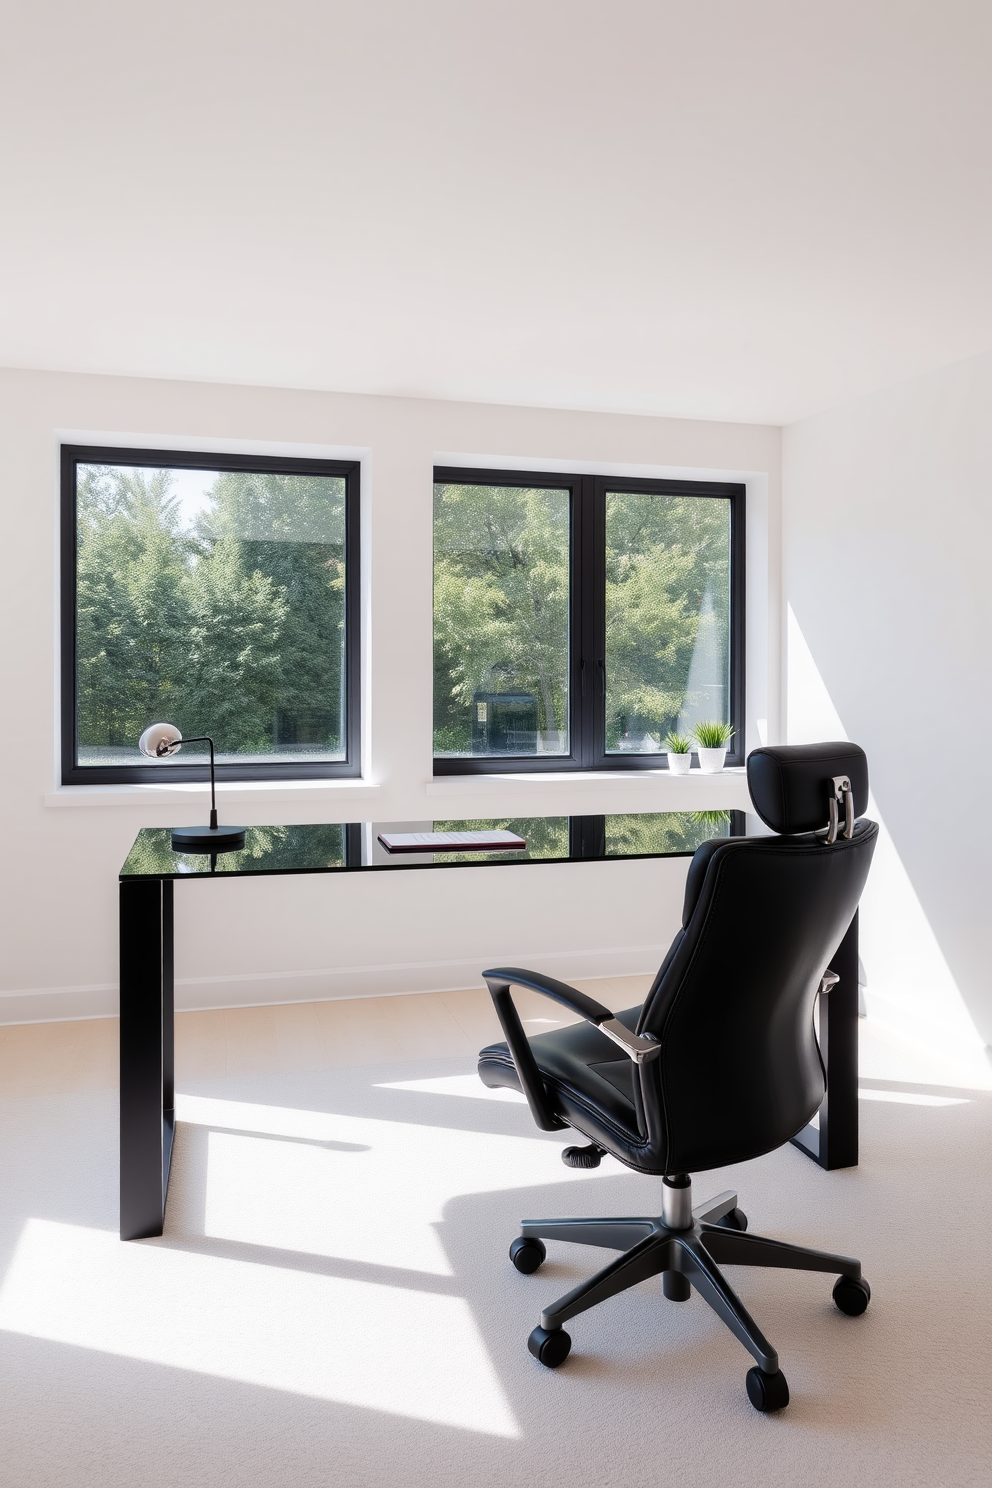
58	1004
388	979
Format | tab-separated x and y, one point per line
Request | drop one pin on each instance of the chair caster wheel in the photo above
550	1346
851	1296
736	1219
527	1254
767	1392
583	1157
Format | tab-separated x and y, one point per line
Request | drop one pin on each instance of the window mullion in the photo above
737	753
589	606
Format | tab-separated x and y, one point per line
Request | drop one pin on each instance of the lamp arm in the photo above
206	739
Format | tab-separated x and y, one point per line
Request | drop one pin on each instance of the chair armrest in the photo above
524	1062
570	997
638	1047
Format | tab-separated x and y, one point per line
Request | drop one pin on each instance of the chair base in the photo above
686	1258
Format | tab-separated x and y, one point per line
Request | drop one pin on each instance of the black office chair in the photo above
720	1062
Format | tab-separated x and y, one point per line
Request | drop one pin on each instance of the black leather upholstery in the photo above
593	1081
789	783
739	1071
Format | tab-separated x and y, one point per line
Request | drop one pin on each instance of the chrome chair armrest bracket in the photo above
639	1047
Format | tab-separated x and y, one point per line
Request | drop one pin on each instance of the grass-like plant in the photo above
712	735
710	818
678	744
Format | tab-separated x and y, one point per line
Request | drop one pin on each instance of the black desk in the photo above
147	1087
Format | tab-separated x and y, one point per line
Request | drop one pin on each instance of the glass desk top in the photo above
348	847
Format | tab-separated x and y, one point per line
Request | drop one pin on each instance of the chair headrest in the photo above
791	784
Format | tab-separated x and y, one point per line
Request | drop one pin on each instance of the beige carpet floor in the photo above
332	1303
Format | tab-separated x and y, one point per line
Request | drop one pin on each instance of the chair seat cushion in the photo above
589	1079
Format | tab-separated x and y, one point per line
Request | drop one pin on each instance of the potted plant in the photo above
712	739
679	747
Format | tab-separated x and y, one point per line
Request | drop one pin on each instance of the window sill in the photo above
338	792
693	792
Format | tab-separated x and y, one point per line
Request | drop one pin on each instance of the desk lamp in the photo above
158	742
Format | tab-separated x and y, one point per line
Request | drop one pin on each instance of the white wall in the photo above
887	537
278	940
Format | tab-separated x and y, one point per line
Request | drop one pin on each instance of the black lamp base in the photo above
207	839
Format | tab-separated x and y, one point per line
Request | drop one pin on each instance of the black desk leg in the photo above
147	1043
834	1144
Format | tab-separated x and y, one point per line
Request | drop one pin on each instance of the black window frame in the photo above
73	455
587	617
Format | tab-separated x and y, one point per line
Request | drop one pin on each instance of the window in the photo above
215	592
580	619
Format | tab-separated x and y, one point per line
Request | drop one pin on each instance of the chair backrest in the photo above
740	1071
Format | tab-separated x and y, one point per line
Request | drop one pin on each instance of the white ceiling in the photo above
745	209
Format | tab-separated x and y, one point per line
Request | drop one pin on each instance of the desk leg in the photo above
834	1144
147	1059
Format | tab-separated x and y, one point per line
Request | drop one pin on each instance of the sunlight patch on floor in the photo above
468	1086
912	1097
353	1187
321	1336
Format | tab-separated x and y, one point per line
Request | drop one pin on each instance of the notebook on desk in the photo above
422	842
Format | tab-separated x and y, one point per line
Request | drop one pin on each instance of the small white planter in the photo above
679	764
711	761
